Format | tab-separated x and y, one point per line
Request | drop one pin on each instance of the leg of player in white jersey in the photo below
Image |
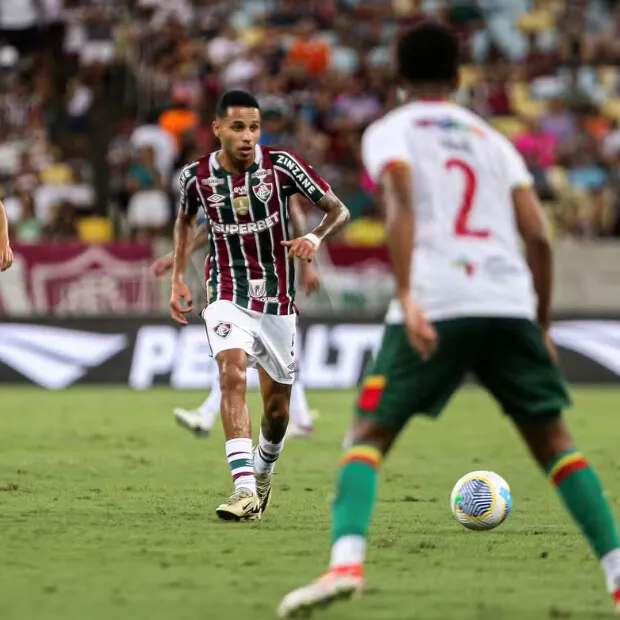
201	420
300	424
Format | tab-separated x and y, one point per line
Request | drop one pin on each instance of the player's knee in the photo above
232	377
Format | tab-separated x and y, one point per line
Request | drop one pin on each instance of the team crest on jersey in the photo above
263	191
222	329
212	181
241	204
261	174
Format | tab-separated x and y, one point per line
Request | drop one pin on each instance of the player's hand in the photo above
180	302
309	280
422	335
162	265
301	248
6	256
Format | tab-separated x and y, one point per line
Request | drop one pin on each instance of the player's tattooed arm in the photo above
6	254
397	197
309	280
534	232
335	218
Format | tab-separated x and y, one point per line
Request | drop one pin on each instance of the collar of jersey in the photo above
219	171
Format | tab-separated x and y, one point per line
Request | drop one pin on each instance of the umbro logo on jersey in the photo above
216	198
212	181
53	357
222	329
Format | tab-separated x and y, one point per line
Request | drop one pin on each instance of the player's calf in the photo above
582	492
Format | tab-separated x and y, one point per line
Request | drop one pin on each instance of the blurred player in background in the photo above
201	420
459	201
6	254
251	318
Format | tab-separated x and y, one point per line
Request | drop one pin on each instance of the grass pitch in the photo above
107	512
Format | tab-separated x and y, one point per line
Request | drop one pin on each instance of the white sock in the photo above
610	564
266	455
300	412
239	455
348	550
210	409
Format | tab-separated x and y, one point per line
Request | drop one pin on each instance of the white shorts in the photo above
268	340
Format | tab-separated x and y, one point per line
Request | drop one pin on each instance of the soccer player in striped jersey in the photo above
244	190
201	420
459	202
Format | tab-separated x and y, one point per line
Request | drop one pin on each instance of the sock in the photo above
584	497
266	455
300	412
210	409
239	454
352	509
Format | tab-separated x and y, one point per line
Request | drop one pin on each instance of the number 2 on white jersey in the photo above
461	224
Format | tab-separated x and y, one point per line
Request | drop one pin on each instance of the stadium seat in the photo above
470	76
510	126
536	21
611	108
365	232
95	230
608	77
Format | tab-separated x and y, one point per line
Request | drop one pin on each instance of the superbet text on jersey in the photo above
248	220
467	259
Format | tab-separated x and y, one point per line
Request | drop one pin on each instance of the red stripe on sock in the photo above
237	454
568	469
358	458
617	597
242	473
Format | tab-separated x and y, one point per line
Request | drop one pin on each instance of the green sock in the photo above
355	493
584	497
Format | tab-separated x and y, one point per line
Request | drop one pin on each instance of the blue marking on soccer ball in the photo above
507	495
476	498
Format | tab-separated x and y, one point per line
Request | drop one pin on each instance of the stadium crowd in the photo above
102	101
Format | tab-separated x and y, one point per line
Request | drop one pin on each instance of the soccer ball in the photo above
481	500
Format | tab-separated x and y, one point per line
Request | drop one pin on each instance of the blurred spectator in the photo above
148	212
309	50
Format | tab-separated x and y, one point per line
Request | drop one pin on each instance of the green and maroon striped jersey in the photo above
248	218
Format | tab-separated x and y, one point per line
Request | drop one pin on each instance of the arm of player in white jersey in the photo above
6	254
180	296
397	196
164	263
534	232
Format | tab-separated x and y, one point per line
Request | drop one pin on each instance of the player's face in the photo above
239	132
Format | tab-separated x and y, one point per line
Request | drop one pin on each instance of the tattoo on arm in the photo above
336	216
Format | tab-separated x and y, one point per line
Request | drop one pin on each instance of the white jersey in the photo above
467	258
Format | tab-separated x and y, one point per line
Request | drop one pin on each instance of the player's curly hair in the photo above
235	99
428	54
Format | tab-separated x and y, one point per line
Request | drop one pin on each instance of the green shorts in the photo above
508	357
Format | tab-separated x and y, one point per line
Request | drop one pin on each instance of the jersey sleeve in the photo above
305	179
517	174
189	201
382	146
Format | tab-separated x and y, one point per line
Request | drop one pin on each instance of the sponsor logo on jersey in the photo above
258	288
222	329
215	198
241	205
303	179
263	191
212	181
53	357
240	190
248	228
261	174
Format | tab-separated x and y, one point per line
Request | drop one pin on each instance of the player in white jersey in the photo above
6	254
458	201
201	420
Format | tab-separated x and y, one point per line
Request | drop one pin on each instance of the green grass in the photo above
107	512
